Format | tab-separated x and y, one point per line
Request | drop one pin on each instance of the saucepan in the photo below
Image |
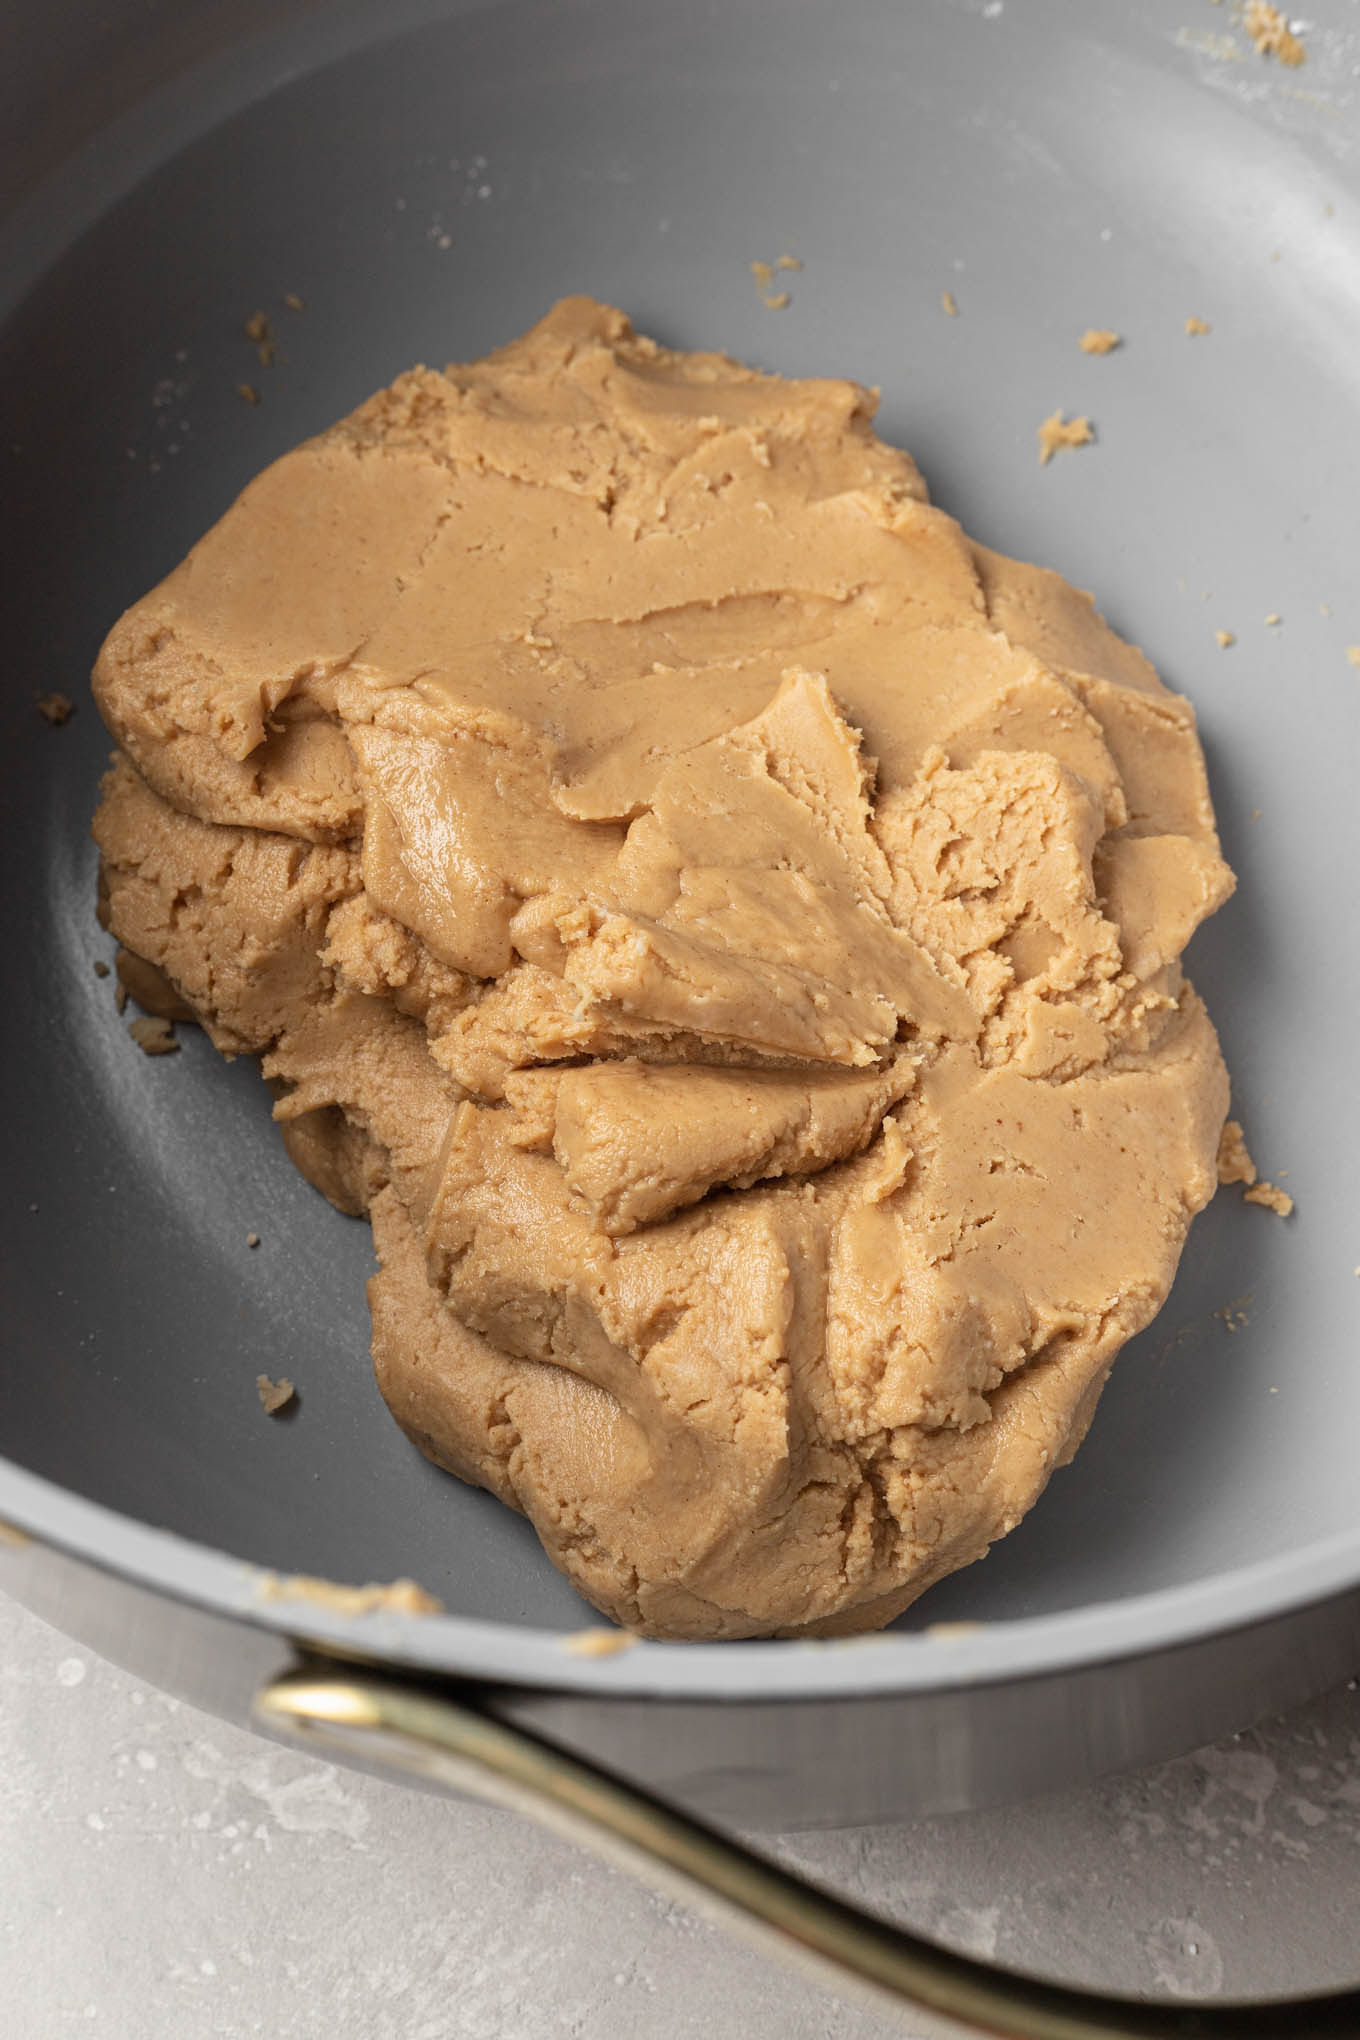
968	185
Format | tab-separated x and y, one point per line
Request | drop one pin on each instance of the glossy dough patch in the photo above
722	926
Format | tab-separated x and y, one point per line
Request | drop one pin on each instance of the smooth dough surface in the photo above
723	926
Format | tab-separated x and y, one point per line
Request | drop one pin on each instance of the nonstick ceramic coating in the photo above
427	179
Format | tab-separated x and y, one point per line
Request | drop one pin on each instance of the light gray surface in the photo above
165	1877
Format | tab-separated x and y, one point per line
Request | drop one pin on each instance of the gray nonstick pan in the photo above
419	181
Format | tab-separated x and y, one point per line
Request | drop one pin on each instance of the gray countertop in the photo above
165	1876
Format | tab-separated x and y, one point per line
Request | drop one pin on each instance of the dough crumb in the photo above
1194	325
101	969
54	708
949	303
1224	638
1100	340
1235	1164
401	1597
248	393
1234	1316
1274	619
763	276
252	1239
276	1396
152	1035
261	332
1271	1197
293	301
1058	432
597	1643
1269	30
1353	654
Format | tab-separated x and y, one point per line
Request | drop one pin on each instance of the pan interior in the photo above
426	196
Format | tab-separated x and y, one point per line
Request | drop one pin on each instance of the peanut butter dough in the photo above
721	925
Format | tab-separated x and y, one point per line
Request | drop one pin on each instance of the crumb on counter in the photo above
1271	1197
153	1035
54	708
1268	27
1224	638
101	969
252	1239
1194	326
949	303
1058	432
776	300
293	301
1274	619
1353	654
276	1396
248	393
1100	340
400	1597
597	1643
1234	1316
788	262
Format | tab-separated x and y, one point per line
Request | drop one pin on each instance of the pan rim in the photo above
884	1665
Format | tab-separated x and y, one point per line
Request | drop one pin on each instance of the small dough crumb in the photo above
247	393
252	1239
1271	1197
1058	432
763	276
101	969
1269	30
1235	1164
54	708
1274	619
597	1643
293	301
949	303
1100	340
401	1597
1234	1316
1224	638
1194	326
152	1035
1353	654
261	332
275	1395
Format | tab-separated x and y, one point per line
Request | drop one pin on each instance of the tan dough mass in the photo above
725	929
